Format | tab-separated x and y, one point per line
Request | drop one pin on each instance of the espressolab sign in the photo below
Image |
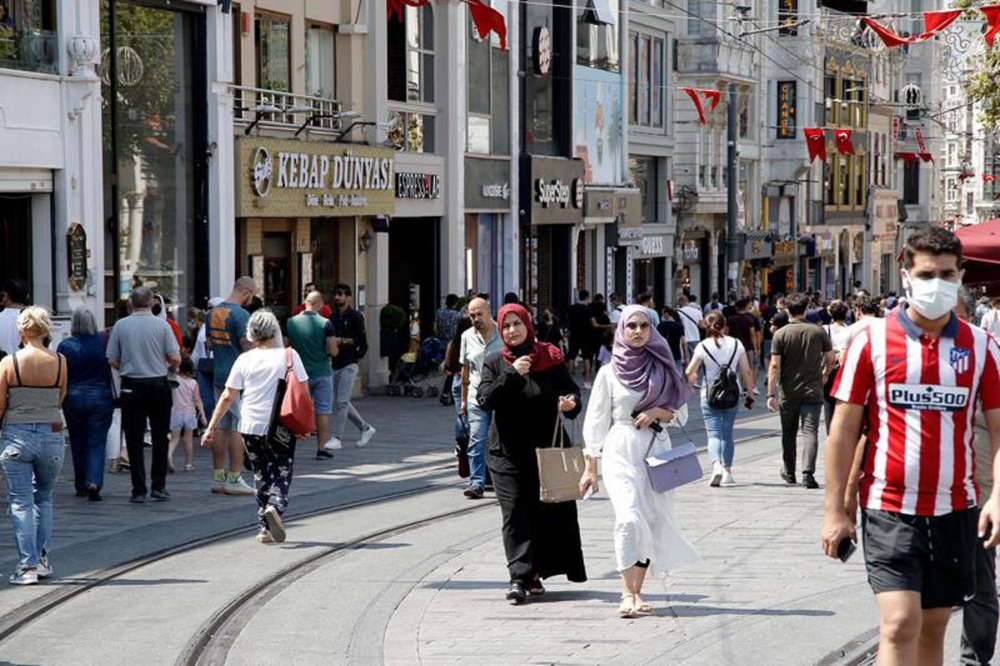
280	178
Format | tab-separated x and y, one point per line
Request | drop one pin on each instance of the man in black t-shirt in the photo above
746	328
581	330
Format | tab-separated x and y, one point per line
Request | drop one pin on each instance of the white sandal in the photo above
626	610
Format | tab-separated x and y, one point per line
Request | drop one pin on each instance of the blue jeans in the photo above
343	385
206	389
719	424
31	457
456	392
89	420
479	432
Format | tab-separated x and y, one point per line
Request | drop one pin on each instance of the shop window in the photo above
597	34
411	132
321	62
410	55
487	65
646	77
831	92
28	35
273	52
643	172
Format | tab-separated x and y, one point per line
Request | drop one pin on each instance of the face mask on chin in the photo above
932	298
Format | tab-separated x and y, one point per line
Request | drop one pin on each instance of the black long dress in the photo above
540	539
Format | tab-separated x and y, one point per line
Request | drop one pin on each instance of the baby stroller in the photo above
414	369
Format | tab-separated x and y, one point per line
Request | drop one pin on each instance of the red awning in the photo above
981	249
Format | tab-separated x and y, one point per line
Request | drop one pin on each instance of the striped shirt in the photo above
920	393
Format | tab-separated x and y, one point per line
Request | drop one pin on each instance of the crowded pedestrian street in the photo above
385	563
443	332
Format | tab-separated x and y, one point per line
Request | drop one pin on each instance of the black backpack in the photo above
724	393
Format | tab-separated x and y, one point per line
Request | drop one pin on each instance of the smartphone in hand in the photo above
845	549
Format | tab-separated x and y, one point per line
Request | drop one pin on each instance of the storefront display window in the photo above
28	35
153	123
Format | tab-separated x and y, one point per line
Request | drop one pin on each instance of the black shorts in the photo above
580	345
934	555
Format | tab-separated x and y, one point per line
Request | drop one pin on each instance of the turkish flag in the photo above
989	179
844	144
992	13
934	22
488	20
395	7
707	94
815	142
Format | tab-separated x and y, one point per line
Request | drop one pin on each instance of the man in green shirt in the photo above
307	333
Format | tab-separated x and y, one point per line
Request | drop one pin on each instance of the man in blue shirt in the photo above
226	337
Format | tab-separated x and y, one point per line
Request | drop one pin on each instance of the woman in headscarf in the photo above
526	385
640	391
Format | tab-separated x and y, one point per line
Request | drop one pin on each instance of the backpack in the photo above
724	393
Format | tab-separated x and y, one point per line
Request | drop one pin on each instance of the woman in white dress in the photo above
640	388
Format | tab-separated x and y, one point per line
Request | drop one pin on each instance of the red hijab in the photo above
543	355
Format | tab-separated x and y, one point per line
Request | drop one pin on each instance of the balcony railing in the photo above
28	50
284	110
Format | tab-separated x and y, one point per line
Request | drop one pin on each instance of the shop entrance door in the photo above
278	289
15	230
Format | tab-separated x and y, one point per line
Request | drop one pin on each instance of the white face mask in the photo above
932	298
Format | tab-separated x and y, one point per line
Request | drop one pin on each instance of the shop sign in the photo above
653	246
418	186
76	241
884	214
555	188
691	251
487	184
787	123
756	248
496	191
285	178
784	248
599	204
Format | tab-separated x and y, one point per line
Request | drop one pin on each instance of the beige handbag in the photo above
559	468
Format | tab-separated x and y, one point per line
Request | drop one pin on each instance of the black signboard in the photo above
76	239
788	16
786	109
553	189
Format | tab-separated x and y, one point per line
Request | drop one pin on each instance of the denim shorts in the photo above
231	419
321	390
183	422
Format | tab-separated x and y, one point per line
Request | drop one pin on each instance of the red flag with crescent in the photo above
934	23
992	13
815	142
707	94
845	146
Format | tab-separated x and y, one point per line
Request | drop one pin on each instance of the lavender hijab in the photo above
650	368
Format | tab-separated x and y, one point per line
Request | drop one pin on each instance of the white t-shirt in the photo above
721	355
10	339
991	323
840	335
690	316
256	374
615	313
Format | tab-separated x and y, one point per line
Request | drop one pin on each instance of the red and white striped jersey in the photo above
921	394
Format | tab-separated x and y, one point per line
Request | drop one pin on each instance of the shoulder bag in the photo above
559	467
297	412
674	467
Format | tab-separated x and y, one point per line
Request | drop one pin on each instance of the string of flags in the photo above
934	23
708	95
816	142
485	18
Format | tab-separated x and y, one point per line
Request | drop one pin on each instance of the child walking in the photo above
188	411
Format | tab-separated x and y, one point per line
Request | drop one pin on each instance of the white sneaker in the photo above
238	487
23	576
716	477
727	478
333	445
44	569
274	524
366	436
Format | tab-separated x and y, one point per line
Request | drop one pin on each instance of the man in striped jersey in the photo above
910	383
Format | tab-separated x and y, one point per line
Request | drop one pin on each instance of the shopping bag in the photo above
559	468
672	468
297	412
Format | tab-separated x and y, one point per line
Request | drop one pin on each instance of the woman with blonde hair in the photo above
32	388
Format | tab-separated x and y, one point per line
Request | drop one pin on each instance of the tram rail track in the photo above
216	636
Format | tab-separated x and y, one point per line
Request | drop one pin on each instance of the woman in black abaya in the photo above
523	386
